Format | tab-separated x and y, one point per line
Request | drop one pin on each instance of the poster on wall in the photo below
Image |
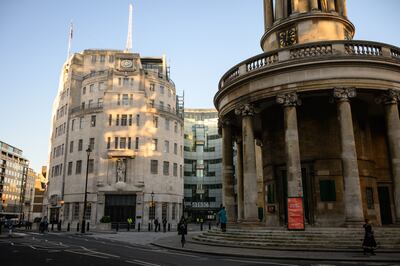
295	213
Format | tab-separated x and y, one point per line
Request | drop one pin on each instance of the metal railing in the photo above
333	49
87	109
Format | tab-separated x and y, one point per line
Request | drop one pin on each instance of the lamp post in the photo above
88	151
152	207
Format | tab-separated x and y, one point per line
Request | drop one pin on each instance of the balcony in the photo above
311	53
164	109
121	153
93	108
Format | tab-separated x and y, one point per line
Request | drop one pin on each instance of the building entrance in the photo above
384	205
307	181
120	207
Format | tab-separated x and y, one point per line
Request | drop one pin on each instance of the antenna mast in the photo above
70	35
128	46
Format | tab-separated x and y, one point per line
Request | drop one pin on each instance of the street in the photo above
70	249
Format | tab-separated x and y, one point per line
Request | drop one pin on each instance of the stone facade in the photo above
125	108
324	110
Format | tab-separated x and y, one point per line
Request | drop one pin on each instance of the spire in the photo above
128	46
70	35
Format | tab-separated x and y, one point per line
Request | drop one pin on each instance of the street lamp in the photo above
152	207
88	151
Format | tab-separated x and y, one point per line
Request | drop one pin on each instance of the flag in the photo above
71	31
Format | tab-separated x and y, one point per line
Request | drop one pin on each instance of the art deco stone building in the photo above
324	110
203	164
125	108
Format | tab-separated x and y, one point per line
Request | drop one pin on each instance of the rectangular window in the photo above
66	211
151	87
175	148
71	146
111	59
108	143
161	89
93	59
122	143
84	90
161	105
124	120
137	143
176	127
154	166
75	213
91	88
130	120
69	170
164	208
91	143
271	193
117	121
327	190
175	169
102	58
88	211
90	104
369	193
80	144
166	168
166	146
78	167
173	214
99	102
154	145
166	124
125	81
72	124
110	120
155	121
180	171
137	120
125	99
80	122
91	166
129	142
101	86
119	99
93	121
152	211
116	143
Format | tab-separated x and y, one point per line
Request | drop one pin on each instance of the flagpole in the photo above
70	35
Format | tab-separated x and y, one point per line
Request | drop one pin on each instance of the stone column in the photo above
268	14
292	150
331	6
239	174
342	7
278	10
314	5
295	6
249	164
352	192
228	197
391	99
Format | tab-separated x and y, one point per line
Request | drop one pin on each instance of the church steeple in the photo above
289	22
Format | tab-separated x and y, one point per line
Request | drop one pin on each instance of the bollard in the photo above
169	227
138	227
77	227
68	227
201	227
87	227
59	226
128	227
149	227
117	227
52	226
209	226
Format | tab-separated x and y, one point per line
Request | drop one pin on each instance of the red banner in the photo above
295	214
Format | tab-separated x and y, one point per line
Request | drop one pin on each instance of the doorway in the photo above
120	207
384	205
308	202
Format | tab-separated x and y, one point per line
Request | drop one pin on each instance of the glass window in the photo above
100	102
166	146
166	124
91	143
69	171
164	208
84	90
154	145
155	121
110	120
124	120
71	146
111	58
75	213
80	144
80	122
116	143
137	120
93	59
327	190
122	143
91	88
88	211
91	166
93	121
72	124
137	143
78	167
130	120
175	170
161	89
129	142
173	214
125	99
126	81
175	148
154	166
151	86
108	143
117	121
102	58
166	168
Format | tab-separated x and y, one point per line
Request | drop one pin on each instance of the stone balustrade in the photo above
311	51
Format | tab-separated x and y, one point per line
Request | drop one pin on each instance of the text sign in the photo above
295	214
200	205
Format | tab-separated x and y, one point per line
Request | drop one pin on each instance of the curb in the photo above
368	259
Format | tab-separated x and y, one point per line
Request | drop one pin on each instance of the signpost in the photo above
295	213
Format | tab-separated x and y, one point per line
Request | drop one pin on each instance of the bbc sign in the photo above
200	204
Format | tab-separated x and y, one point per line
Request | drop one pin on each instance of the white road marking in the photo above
262	262
142	263
86	254
180	254
32	247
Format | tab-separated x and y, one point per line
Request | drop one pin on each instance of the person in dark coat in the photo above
164	224
369	243
182	230
156	225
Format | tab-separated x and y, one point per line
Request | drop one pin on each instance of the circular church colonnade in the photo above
318	121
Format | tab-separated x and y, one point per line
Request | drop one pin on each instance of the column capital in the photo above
344	94
224	122
245	110
288	99
389	97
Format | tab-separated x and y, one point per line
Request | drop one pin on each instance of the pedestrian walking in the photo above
369	243
182	230
10	226
156	223
222	218
164	224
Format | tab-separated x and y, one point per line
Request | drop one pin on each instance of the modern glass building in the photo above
203	164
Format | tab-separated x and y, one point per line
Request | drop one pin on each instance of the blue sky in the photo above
201	38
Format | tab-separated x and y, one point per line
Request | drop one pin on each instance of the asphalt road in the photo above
76	250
